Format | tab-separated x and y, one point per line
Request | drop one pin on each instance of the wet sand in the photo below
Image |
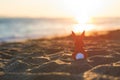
50	59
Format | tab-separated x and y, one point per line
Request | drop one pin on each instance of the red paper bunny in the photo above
79	50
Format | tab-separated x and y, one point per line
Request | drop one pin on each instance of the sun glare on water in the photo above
83	24
82	27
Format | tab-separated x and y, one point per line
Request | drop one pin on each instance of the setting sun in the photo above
82	19
83	11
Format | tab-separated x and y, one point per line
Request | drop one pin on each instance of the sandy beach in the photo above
50	59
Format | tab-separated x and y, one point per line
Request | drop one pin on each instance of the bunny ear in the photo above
82	35
73	34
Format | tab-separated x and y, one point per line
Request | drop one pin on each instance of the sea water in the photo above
12	29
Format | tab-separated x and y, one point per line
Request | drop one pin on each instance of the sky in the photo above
59	8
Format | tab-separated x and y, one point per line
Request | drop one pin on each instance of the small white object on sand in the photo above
79	56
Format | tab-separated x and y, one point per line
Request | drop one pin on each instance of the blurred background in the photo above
31	19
